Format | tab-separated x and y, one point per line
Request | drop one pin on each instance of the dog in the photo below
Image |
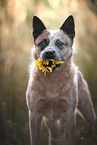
57	96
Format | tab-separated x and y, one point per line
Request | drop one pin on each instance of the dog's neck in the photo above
54	82
58	75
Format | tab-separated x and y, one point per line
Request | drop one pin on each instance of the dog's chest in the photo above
53	108
54	87
53	101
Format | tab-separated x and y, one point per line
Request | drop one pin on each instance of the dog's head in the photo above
53	44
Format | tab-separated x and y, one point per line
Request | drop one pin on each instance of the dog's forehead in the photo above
54	34
58	34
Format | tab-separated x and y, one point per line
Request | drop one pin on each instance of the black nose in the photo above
49	54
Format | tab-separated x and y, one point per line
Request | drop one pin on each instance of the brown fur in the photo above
56	96
37	50
44	35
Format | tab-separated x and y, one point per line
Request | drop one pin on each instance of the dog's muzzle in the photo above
50	54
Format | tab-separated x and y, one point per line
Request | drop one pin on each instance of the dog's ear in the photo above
69	27
38	27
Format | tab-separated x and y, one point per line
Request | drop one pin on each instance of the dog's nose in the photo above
49	54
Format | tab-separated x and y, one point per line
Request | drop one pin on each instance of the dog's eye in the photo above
43	44
60	44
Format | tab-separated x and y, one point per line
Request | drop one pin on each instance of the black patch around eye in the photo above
43	44
60	44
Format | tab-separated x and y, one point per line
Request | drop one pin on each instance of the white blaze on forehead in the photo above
58	34
53	33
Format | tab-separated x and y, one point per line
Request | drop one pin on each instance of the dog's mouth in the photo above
49	65
53	65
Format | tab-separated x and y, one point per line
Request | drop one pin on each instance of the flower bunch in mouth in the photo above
47	65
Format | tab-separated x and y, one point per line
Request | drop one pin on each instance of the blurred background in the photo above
15	46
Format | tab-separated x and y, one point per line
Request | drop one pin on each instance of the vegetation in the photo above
15	45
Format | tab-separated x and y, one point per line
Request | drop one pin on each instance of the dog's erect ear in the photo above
38	27
68	27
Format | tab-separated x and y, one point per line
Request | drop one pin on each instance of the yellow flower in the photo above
45	65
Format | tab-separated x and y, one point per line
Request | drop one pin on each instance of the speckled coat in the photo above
56	96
